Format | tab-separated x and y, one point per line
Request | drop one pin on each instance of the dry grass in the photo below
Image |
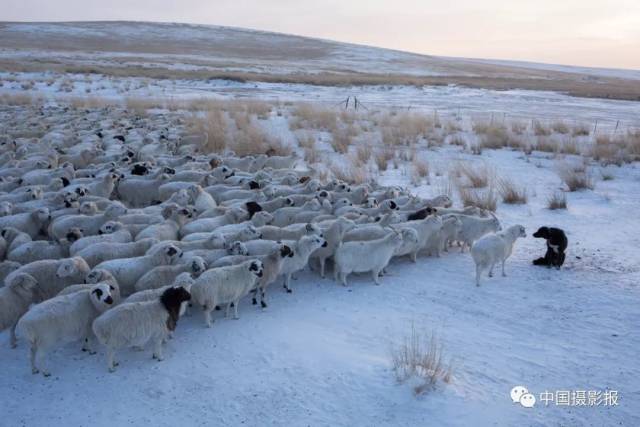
547	145
580	130
350	173
475	176
512	193
305	140
213	125
539	129
458	140
570	146
518	127
575	177
277	147
419	171
311	156
404	128
560	127
484	199
307	116
250	139
341	140
421	356
382	158
363	153
20	99
557	200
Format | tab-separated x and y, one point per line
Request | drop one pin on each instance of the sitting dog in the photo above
556	245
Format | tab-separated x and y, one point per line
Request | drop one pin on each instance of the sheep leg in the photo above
287	278
322	265
111	363
40	356
89	344
226	311
33	352
13	341
235	310
254	298
343	278
207	316
157	349
263	297
376	273
491	270
503	273
478	273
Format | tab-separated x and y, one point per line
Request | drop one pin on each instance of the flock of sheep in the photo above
112	227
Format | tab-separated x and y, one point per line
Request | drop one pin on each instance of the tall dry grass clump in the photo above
580	129
350	173
485	199
421	356
511	192
474	176
560	127
404	128
540	129
382	158
419	171
249	140
307	116
341	140
213	126
575	177
558	200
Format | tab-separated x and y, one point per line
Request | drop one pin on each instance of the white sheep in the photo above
231	216
426	228
368	256
290	232
272	268
169	229
494	248
135	324
14	238
89	224
110	231
165	275
439	241
63	319
43	249
201	199
474	228
225	285
248	232
33	223
333	235
15	298
128	271
53	275
302	250
101	252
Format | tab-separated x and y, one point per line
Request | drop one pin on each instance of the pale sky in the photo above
577	32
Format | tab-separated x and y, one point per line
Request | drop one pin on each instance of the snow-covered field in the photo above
321	356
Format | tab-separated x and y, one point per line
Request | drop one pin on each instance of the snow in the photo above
320	356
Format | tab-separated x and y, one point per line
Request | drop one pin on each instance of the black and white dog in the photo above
556	245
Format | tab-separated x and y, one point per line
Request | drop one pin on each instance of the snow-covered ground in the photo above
446	100
321	356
